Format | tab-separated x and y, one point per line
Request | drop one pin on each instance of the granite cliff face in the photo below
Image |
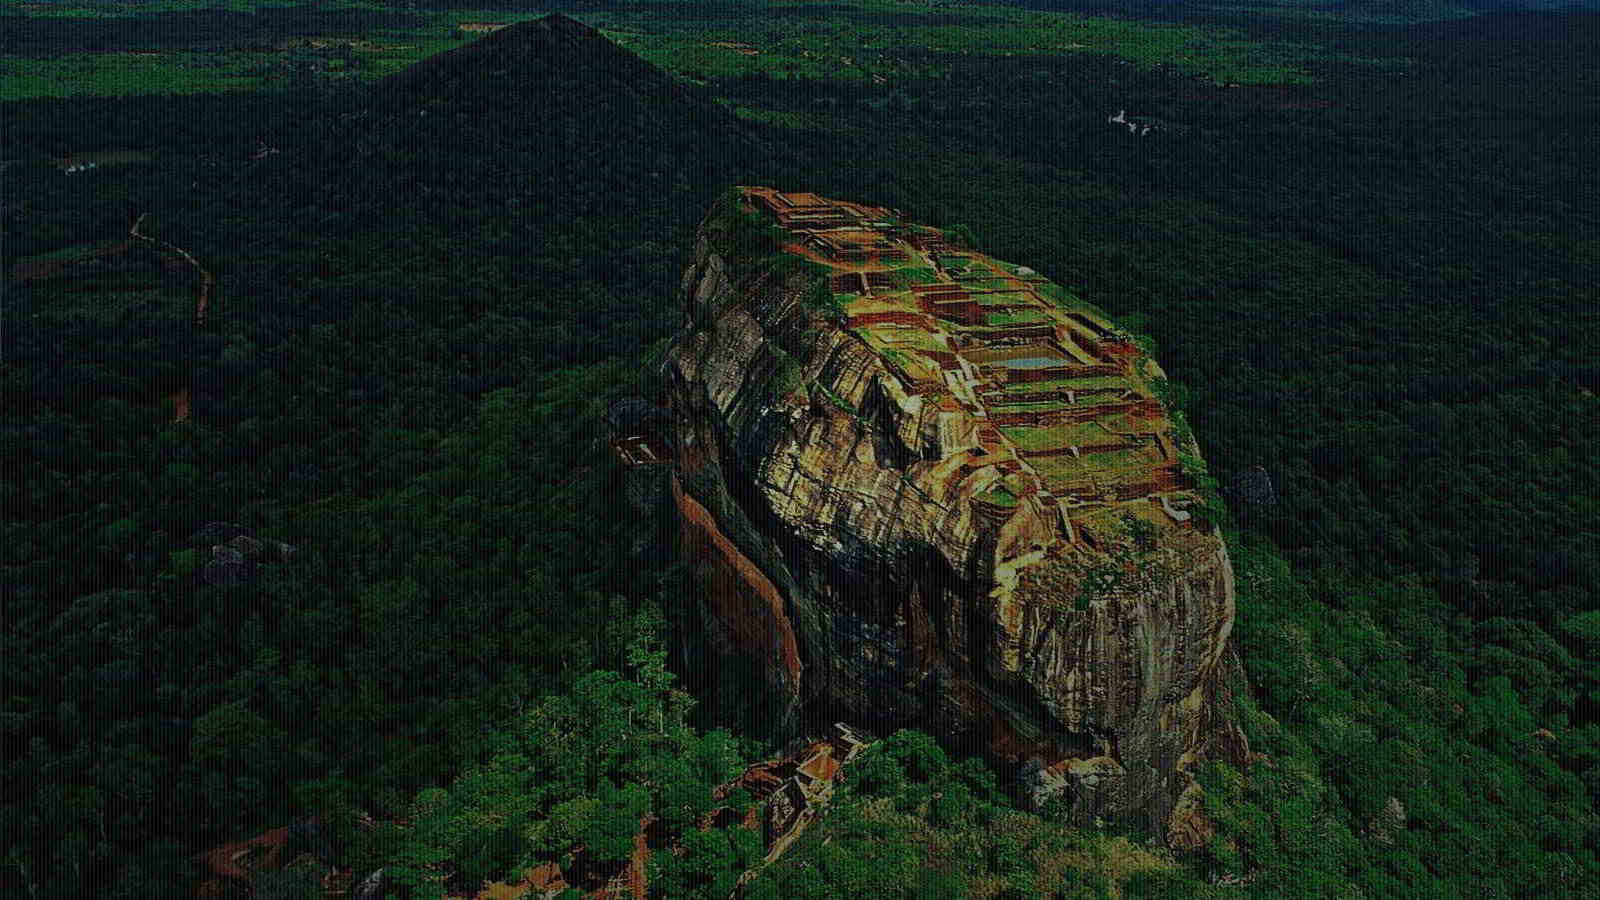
928	488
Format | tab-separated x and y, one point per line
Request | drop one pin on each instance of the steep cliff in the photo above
934	489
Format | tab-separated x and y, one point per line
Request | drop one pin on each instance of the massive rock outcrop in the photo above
927	488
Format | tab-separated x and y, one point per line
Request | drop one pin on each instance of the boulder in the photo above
631	414
1037	784
247	545
1252	486
371	887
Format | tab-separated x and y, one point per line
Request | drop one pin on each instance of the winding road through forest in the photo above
206	281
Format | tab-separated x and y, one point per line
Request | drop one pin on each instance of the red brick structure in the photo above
949	301
963	310
821	766
879	281
849	283
1114	349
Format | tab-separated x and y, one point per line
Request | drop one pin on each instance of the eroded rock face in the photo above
884	531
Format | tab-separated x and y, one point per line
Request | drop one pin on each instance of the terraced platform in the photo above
1057	388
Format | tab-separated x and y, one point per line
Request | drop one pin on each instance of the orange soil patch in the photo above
180	405
235	861
636	874
759	624
864	236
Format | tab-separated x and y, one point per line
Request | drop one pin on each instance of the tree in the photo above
877	773
566	825
933	884
609	834
1584	628
666	875
716	756
648	657
747	847
762	887
739	800
232	738
684	798
1144	533
918	754
952	804
710	866
963	235
806	883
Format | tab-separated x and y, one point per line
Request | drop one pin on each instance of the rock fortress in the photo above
934	489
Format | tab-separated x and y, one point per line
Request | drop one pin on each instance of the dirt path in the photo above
180	400
206	281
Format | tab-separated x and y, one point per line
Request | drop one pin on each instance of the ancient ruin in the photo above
936	489
1047	383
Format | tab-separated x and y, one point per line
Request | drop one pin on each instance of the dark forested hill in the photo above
553	62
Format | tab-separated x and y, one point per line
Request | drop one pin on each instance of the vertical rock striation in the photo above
938	491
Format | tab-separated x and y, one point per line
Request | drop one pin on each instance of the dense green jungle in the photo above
445	645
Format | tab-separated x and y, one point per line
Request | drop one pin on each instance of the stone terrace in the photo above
1059	390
